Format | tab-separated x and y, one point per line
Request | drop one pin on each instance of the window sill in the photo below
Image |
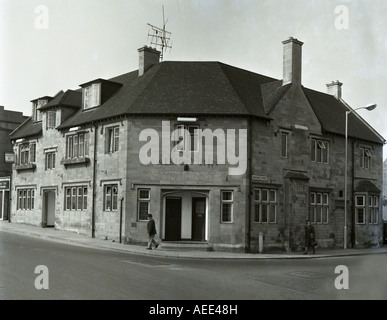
75	161
27	166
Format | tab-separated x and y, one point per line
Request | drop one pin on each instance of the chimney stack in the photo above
292	61
148	57
334	88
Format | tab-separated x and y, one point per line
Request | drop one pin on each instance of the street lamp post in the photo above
369	108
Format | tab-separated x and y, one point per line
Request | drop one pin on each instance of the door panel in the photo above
173	219
198	218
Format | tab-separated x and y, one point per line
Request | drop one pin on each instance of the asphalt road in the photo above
93	274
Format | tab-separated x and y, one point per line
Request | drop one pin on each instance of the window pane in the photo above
226	195
313	198
81	152
257	211
144	194
68	199
84	198
116	138
264	213
75	147
325	198
74	199
319	198
143	210
325	153
272	217
108	198
226	212
360	215
24	199
319	214
257	194
114	197
264	195
272	195
80	198
29	199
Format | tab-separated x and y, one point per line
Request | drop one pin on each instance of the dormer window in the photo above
51	119
92	96
36	105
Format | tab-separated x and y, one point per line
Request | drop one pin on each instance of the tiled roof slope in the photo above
331	114
70	98
28	128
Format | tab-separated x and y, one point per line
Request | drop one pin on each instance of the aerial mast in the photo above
160	37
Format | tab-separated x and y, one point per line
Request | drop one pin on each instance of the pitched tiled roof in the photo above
366	186
203	88
331	114
70	98
182	88
27	129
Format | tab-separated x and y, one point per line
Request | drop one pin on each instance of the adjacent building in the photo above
219	155
9	120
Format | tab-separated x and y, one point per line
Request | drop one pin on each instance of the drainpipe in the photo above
249	159
10	198
353	230
94	183
122	199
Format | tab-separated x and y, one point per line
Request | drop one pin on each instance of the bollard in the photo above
260	243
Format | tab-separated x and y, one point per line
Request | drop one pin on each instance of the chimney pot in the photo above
147	57
334	88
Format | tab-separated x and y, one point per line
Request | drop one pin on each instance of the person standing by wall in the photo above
152	232
309	237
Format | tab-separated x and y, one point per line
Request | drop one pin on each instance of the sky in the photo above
52	45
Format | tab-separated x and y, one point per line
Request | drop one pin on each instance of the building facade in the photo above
219	155
9	121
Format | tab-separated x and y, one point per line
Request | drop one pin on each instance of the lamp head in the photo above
371	107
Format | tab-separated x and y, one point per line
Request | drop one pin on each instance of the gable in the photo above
293	109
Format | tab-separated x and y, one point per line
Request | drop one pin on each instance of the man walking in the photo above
152	232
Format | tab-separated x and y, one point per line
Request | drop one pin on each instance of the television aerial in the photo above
160	37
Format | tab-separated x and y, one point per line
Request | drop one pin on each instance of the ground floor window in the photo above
227	202
265	205
360	208
76	198
373	204
143	204
319	207
110	197
25	199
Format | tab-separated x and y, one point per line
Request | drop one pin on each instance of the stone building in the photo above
218	155
9	120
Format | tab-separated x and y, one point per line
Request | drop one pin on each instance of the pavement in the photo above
76	239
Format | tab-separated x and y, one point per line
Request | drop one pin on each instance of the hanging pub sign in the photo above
9	157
